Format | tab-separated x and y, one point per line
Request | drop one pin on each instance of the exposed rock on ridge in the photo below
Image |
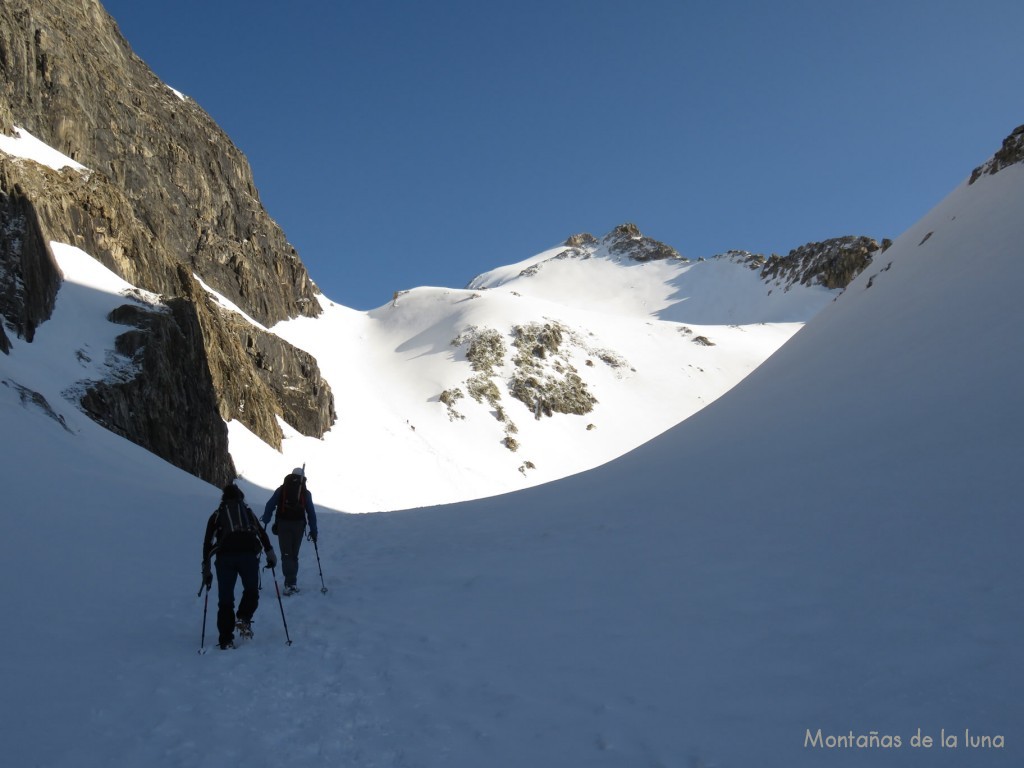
626	240
832	263
1010	153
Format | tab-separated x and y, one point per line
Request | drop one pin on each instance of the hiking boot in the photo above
227	646
290	589
244	628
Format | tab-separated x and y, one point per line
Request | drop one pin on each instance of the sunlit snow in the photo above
23	144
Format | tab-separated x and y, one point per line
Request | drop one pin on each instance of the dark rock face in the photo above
173	381
29	277
832	263
294	379
1011	153
259	377
166	196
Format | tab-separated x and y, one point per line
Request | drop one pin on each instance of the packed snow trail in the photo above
575	625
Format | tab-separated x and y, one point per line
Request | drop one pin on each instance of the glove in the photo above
207	575
312	536
271	559
273	529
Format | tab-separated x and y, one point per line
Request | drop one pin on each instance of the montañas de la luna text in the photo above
878	740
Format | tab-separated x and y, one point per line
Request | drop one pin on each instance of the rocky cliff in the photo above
166	197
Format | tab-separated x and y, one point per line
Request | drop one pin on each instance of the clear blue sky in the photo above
410	143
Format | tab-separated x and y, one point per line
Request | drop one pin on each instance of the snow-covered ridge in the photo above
225	303
539	369
733	288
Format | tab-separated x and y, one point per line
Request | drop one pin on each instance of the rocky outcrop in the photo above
626	240
544	379
1011	153
165	196
580	240
832	263
754	261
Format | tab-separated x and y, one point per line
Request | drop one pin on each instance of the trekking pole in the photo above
206	602
323	587
281	606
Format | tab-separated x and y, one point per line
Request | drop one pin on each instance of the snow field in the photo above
833	544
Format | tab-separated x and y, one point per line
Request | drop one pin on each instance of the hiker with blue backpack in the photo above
235	536
293	504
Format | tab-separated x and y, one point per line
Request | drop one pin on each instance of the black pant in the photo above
231	565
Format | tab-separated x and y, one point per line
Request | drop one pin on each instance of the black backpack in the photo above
291	505
236	527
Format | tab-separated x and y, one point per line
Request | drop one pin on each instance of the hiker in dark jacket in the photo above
294	506
235	536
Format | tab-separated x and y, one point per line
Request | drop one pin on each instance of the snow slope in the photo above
630	329
26	146
834	544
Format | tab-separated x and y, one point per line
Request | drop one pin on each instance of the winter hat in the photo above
232	491
299	471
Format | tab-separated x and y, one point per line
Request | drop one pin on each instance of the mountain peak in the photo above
580	240
627	240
